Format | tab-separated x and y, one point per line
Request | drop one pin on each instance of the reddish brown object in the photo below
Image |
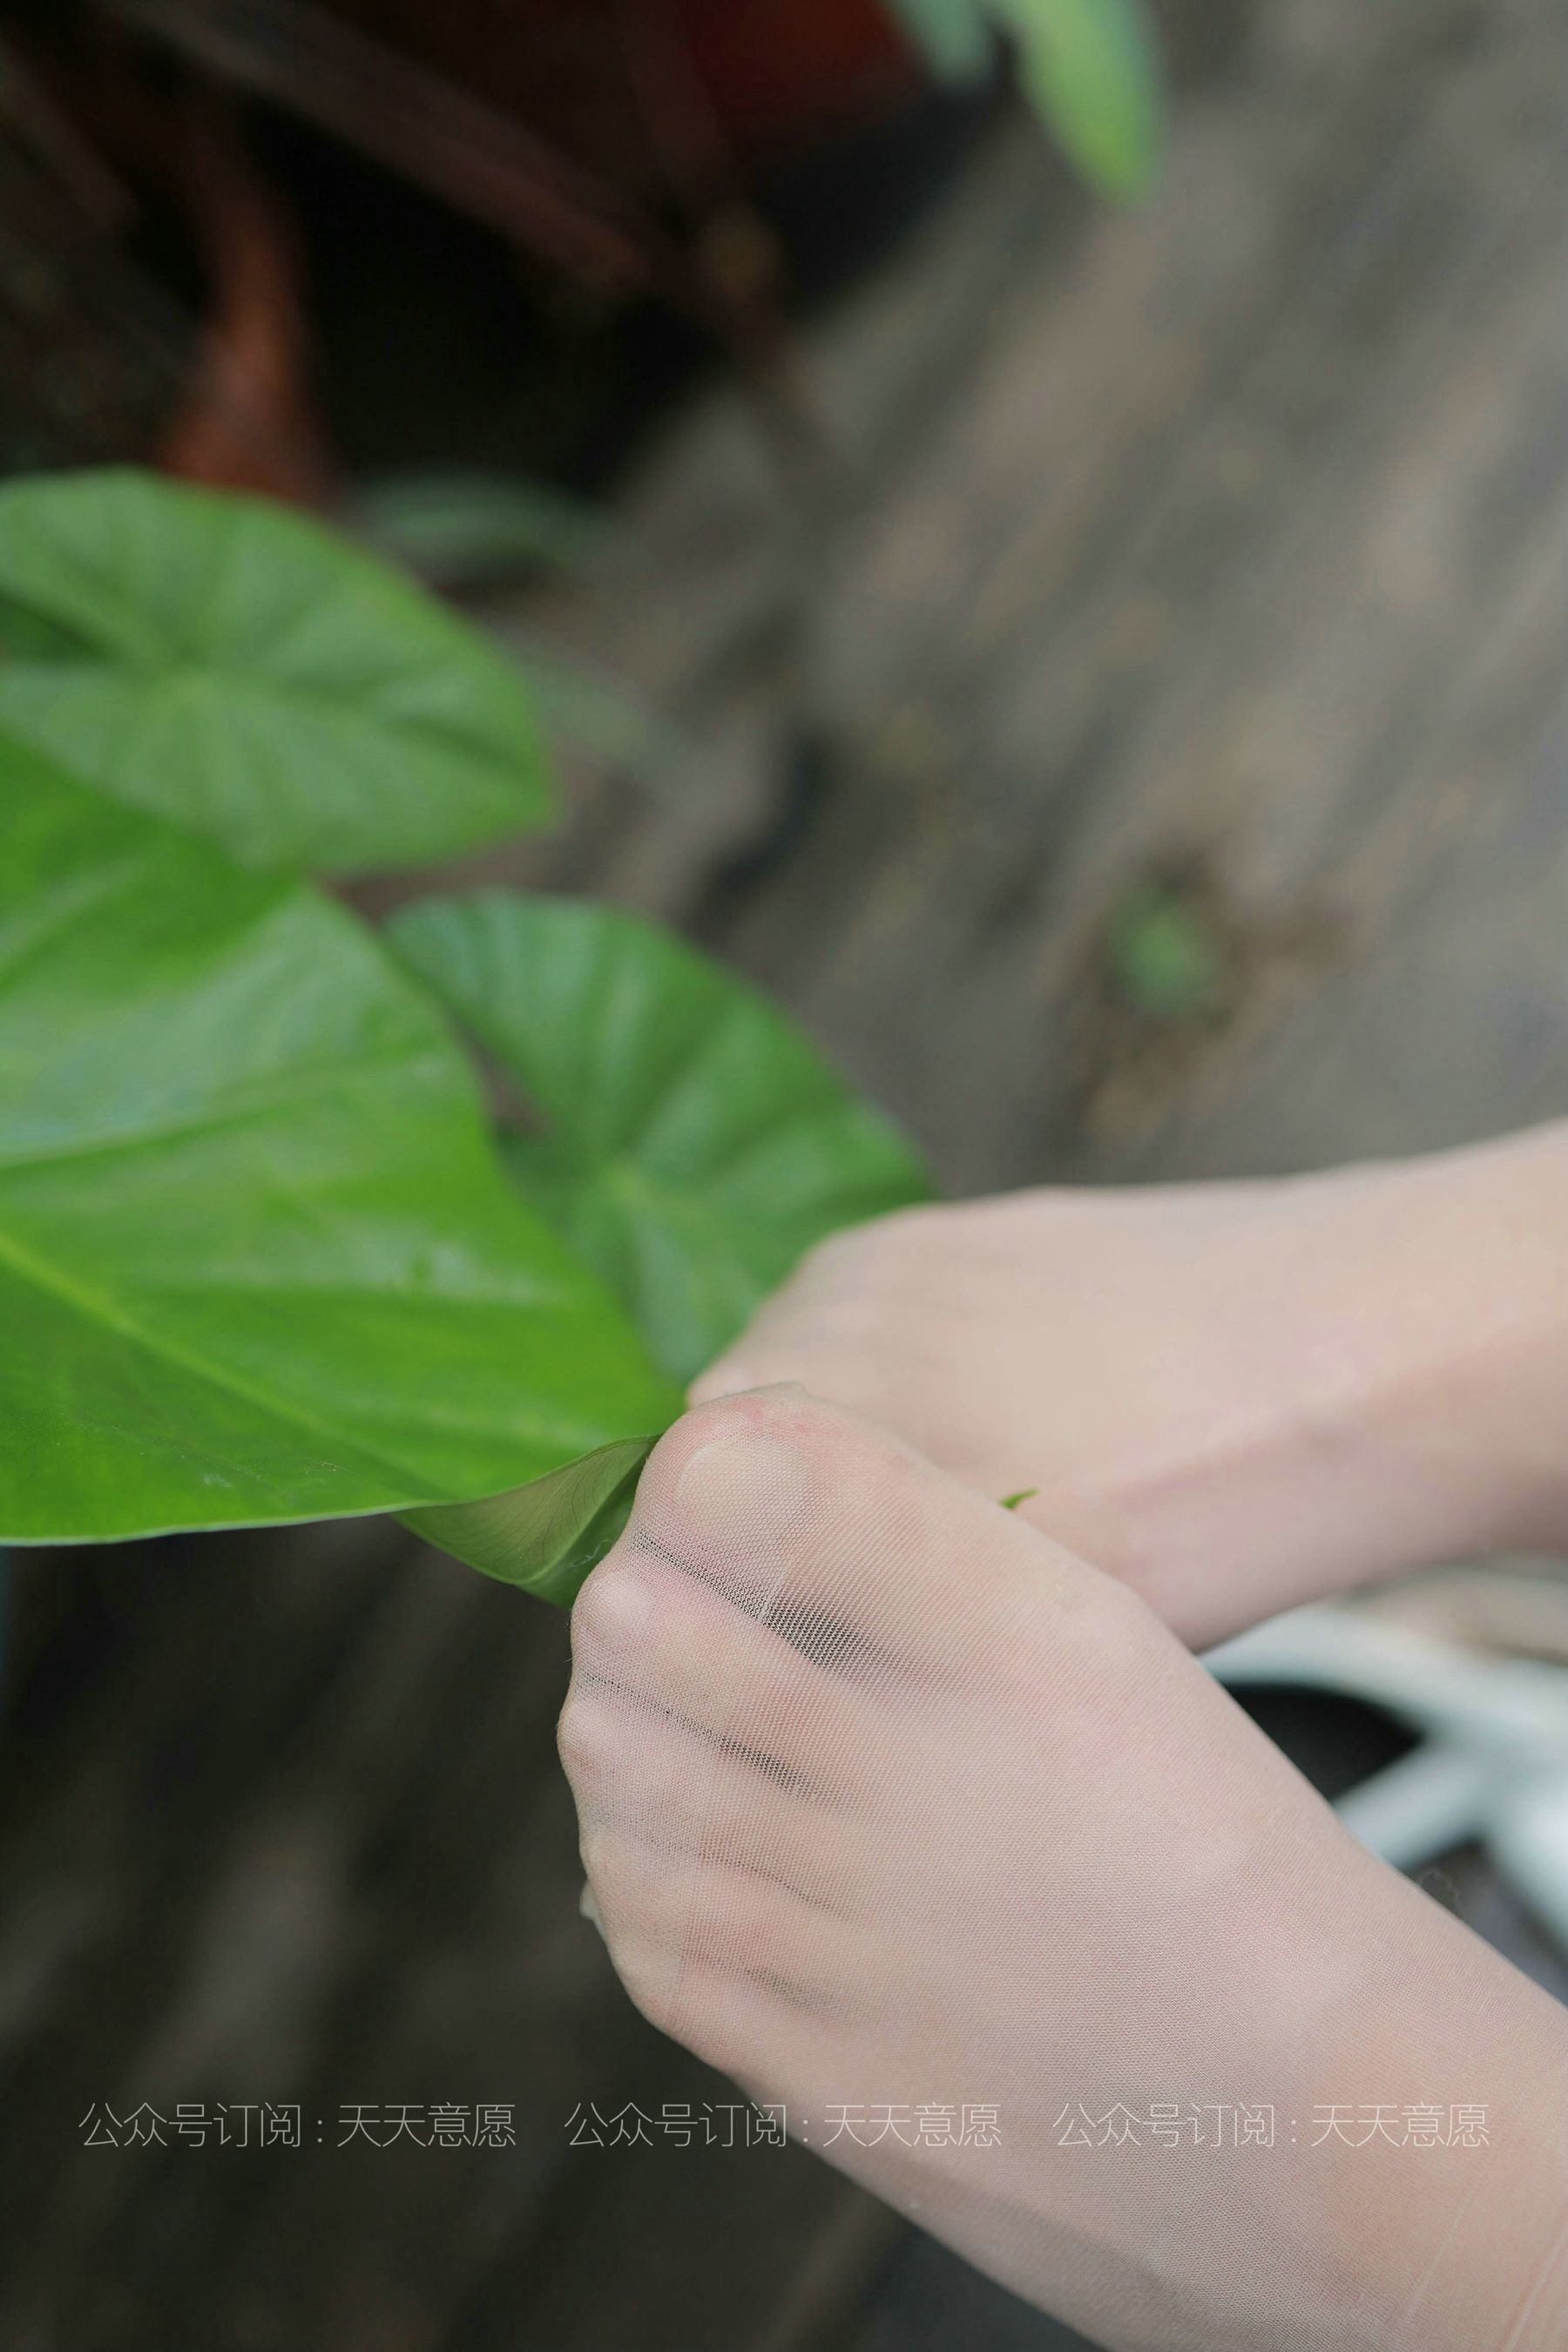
617	140
594	133
774	73
244	422
778	71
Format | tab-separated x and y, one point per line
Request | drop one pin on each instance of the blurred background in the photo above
1099	661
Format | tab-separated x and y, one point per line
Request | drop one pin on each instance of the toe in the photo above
652	1635
649	1779
670	1922
868	1562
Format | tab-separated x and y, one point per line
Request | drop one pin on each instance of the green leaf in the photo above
221	661
953	35
545	1536
1090	66
464	529
257	1258
695	1142
1165	959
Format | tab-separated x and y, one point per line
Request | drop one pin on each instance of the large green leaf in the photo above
1090	66
546	1535
257	1258
221	661
695	1143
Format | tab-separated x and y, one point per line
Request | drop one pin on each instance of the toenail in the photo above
618	1605
747	1486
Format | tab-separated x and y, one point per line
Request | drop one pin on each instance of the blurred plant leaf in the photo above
470	530
28	634
222	661
953	35
257	1258
1090	66
695	1142
1166	959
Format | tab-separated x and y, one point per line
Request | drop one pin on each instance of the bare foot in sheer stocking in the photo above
890	1803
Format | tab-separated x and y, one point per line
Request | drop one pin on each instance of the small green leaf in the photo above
695	1143
221	661
1024	1495
258	1260
464	529
1166	959
1090	68
545	1536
